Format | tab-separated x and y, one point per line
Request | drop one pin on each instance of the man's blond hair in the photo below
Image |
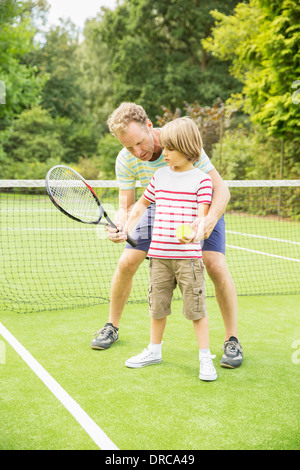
183	135
123	115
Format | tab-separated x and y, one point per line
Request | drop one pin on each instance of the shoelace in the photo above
231	346
147	352
106	330
207	358
206	361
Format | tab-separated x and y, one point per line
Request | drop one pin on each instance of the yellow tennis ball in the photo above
183	231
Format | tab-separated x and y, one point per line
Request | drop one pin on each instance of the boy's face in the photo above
176	159
138	140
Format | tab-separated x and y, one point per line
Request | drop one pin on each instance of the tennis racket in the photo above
74	197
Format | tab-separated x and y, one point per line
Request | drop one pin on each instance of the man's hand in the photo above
116	235
203	227
209	224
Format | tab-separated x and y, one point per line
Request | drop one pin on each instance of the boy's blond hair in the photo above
183	135
123	115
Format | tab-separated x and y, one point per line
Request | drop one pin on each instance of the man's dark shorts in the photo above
143	233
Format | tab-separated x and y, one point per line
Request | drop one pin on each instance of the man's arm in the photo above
221	197
126	201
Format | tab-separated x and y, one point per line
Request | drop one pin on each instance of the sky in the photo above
78	10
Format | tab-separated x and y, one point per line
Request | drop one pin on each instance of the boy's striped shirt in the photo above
177	196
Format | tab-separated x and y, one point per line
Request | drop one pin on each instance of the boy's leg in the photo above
157	330
152	354
162	284
190	278
202	332
207	370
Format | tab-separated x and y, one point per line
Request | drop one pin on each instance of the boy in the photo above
182	194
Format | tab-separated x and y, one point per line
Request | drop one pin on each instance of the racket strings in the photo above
72	195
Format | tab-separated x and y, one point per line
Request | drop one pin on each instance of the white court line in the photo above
27	210
39	229
263	253
92	429
262	236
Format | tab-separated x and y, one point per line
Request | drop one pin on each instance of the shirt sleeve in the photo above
125	177
204	164
204	191
149	193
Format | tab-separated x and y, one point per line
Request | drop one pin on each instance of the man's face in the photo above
138	140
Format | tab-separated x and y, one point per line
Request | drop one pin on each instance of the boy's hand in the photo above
185	233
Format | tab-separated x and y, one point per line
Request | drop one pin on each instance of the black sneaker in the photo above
233	353
105	337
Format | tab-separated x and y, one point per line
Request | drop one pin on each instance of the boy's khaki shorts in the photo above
165	274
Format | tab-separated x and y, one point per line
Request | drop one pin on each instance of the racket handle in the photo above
131	241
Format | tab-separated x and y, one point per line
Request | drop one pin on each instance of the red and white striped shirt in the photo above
177	196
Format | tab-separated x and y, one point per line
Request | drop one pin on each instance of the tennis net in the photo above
49	261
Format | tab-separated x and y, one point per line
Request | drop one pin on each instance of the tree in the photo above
262	40
32	144
108	149
64	94
210	120
97	78
157	56
21	85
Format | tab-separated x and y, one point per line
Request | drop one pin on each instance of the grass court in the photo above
160	407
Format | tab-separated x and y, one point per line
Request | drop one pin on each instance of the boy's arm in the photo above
140	206
136	213
197	226
126	226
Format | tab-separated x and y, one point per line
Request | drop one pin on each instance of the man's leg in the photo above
121	285
122	282
128	265
215	263
225	290
226	296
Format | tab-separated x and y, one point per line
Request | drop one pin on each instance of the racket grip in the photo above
131	241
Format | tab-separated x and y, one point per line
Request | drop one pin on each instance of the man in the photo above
139	159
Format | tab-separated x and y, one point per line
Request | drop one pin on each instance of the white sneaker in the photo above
146	358
207	370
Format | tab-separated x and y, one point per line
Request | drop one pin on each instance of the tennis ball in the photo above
183	231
